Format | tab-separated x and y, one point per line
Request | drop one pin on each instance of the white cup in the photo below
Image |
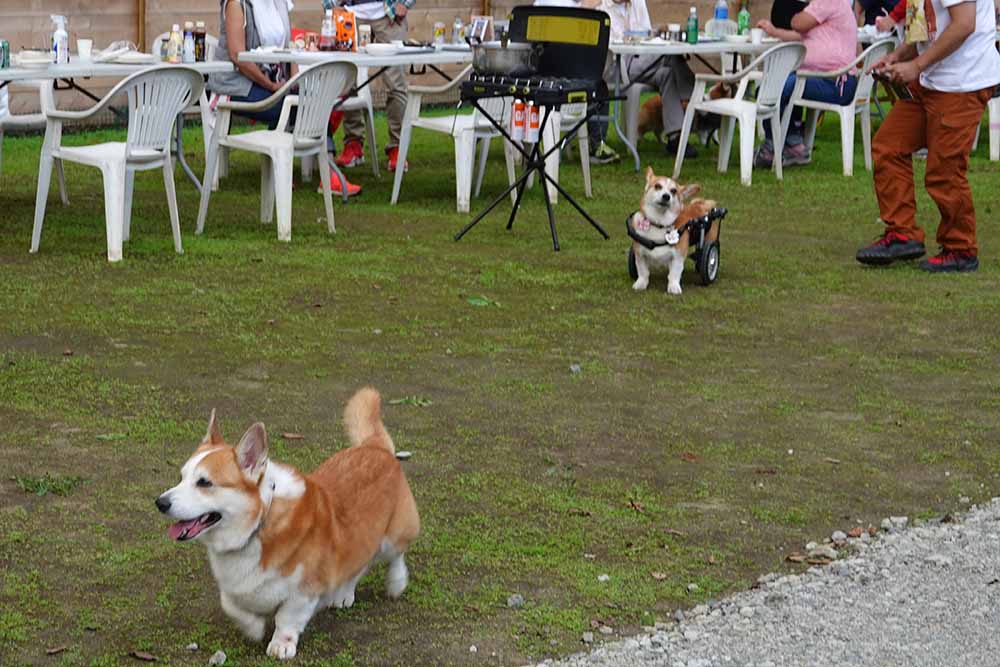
84	49
756	35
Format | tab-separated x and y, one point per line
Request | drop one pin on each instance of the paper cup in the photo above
84	48
756	35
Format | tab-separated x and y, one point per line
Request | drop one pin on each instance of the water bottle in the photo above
188	56
743	19
327	37
692	27
721	10
60	41
175	45
456	31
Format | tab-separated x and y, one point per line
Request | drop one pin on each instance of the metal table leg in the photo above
179	150
618	111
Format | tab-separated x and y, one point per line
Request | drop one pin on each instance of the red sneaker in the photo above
393	154
335	188
950	261
352	155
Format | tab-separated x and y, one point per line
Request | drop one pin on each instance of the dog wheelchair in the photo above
706	254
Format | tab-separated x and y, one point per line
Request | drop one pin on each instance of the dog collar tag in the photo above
671	236
641	223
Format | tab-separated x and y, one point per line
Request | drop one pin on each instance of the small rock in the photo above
574	368
811	545
825	551
603	577
938	559
588	638
838	536
679	615
473	649
855	532
693	588
404	455
700	610
898	522
865	537
218	658
965	500
886	524
746	612
606	630
191	647
515	601
691	635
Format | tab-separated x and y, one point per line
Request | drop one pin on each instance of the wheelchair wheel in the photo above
633	272
708	263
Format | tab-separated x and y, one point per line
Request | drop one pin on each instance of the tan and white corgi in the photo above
285	545
662	211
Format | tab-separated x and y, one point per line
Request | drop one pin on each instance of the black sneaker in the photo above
950	261
889	248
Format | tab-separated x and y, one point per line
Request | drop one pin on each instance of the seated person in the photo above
670	75
829	31
247	25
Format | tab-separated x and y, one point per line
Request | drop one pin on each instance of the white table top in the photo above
80	70
439	57
683	48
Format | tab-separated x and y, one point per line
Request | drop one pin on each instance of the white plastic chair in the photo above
775	64
155	97
859	106
360	102
465	129
319	88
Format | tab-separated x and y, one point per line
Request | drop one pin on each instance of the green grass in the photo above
667	452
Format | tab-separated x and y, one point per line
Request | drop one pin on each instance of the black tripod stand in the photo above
535	162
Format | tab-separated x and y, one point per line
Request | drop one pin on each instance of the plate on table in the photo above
34	59
382	49
465	48
737	39
136	58
654	41
770	40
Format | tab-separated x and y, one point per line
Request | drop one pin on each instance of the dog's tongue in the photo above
183	529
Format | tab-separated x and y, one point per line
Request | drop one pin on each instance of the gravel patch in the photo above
917	594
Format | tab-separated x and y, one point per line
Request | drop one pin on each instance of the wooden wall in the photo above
25	23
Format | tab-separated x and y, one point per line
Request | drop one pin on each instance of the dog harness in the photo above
638	222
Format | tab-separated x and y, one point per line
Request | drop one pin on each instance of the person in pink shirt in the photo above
829	31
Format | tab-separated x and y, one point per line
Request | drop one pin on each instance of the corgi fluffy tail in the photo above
363	420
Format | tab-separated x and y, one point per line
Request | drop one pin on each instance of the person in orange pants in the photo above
951	77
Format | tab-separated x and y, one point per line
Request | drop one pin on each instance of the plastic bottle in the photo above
517	120
327	35
188	54
456	31
531	130
692	27
175	45
743	19
721	10
200	52
60	40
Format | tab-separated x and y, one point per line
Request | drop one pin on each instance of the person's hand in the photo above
766	26
400	12
906	72
885	24
884	62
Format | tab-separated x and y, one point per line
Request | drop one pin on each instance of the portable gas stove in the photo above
573	45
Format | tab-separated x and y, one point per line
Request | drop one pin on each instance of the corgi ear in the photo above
689	191
212	435
650	176
252	451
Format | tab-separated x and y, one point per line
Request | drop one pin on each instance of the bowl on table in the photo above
382	49
34	58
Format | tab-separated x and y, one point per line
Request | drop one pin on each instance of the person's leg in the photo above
952	122
902	132
354	121
597	128
675	80
394	80
256	94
